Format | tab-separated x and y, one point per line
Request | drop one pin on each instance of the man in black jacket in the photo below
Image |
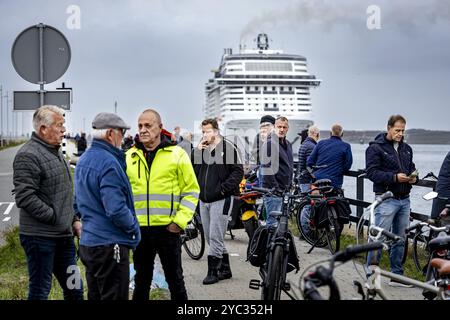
44	194
442	188
277	166
390	166
219	170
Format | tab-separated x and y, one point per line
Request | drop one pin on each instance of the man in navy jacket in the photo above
389	164
333	157
105	202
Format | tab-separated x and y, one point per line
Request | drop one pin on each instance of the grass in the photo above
348	239
14	273
12	143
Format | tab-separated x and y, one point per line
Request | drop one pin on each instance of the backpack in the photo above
257	247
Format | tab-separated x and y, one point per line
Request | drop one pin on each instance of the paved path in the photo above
237	288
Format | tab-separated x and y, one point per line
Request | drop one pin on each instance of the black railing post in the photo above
359	193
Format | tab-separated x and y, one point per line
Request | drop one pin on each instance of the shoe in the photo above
213	270
394	283
224	269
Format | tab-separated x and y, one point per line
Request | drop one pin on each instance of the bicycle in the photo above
193	238
280	246
320	228
372	281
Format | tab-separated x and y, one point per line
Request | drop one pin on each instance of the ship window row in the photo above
268	66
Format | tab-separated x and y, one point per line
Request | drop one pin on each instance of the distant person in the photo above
277	166
186	142
304	177
266	127
165	192
127	142
177	134
105	202
442	188
389	165
333	157
81	144
44	194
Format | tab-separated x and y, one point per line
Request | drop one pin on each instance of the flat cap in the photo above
106	120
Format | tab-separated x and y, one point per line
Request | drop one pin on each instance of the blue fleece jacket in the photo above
104	199
304	151
336	157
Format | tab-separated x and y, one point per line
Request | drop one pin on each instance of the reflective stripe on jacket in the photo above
168	191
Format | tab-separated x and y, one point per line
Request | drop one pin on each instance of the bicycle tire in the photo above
273	287
195	247
312	234
333	232
421	254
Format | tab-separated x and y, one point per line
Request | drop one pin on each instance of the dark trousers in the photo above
47	256
158	240
106	278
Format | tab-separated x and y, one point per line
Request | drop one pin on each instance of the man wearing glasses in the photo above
104	201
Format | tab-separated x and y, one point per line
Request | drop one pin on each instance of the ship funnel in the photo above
262	41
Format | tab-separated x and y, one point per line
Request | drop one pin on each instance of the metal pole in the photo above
41	62
115	107
7	114
359	194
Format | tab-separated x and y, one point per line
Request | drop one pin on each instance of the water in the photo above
426	157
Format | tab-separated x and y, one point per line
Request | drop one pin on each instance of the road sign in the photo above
41	54
30	100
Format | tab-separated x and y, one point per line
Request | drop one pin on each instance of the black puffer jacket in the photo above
383	163
43	190
218	172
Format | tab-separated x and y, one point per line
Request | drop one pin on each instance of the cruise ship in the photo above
257	82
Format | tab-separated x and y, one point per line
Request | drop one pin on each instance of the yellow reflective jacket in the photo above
168	191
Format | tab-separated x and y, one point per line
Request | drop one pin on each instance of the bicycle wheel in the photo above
421	254
333	232
308	231
272	288
250	226
194	242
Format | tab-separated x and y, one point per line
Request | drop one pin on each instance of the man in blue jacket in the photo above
389	164
332	157
105	202
442	188
303	175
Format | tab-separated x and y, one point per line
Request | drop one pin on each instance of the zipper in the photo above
206	175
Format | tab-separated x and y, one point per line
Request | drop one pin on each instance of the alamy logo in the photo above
74	20
7	211
74	279
374	18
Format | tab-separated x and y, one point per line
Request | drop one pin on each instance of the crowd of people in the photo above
139	193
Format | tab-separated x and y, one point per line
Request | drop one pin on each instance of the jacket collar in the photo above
99	143
311	140
38	139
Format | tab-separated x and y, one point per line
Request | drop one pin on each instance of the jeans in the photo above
52	255
272	204
306	211
392	214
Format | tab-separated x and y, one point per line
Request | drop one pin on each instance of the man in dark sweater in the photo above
277	164
44	194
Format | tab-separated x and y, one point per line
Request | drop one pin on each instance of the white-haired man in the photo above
104	200
44	194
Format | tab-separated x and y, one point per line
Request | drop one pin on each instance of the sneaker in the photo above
395	283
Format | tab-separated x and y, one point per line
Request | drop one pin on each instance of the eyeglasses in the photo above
122	131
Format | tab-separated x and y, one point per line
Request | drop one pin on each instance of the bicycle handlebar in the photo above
434	228
375	232
352	251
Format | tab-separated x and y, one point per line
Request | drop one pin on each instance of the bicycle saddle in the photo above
322	182
440	243
442	266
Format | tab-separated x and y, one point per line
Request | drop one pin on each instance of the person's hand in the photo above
412	180
202	145
76	227
173	227
402	178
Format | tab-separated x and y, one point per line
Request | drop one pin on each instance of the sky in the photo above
159	54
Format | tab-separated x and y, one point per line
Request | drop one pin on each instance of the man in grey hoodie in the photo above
44	194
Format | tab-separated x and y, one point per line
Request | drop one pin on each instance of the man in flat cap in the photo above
104	201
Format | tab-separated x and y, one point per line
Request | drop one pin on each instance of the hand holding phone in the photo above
414	174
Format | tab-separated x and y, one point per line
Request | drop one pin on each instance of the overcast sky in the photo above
160	54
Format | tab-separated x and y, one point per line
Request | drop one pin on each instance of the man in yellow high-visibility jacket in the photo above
165	191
